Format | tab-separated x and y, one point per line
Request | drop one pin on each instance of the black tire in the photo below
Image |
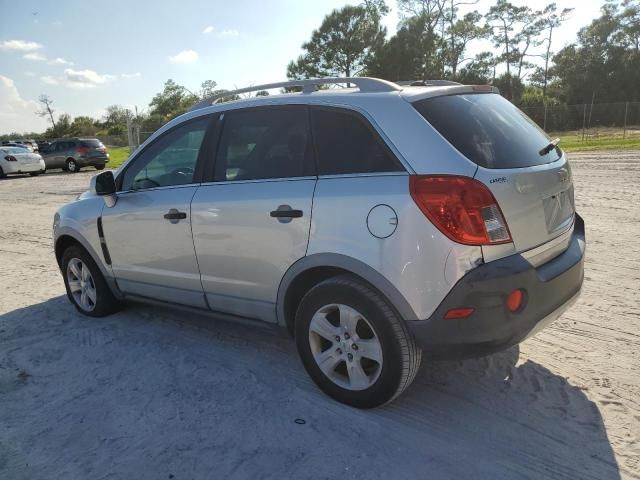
99	167
35	174
2	175
71	165
401	355
106	303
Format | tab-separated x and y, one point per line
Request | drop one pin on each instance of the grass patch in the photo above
117	156
573	142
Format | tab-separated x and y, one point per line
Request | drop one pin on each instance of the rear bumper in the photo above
15	167
550	290
92	161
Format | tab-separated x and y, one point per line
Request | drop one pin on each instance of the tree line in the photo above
172	101
433	41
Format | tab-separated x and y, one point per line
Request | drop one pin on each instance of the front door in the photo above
148	231
251	223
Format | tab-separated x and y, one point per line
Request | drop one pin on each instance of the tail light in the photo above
82	150
462	208
10	158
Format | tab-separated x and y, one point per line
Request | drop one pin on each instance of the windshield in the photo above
488	129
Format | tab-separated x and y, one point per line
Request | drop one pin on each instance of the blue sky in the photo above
87	54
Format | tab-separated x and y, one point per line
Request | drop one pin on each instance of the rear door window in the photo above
264	143
346	144
488	130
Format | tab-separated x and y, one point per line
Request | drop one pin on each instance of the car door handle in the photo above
285	211
174	214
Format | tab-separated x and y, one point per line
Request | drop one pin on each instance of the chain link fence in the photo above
588	121
114	140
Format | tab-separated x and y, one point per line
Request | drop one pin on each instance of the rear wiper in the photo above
553	144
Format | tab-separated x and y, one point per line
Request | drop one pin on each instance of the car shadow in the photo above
166	394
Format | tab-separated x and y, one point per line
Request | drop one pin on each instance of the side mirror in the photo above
104	185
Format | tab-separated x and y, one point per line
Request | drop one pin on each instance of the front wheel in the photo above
99	167
86	287
352	343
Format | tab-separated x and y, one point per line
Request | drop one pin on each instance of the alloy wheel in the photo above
81	284
345	347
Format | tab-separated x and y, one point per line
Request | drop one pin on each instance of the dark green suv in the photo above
71	154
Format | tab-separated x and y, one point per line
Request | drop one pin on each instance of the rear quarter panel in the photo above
417	258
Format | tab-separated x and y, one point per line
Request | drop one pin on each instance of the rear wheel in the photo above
72	165
99	167
86	287
352	343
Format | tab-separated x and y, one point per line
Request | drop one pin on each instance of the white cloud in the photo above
208	30
21	45
185	56
17	114
59	61
38	57
49	80
85	78
228	33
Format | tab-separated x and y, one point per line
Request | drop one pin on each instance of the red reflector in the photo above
515	300
462	208
458	313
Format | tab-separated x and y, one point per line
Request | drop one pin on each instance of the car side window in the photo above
170	160
264	143
346	144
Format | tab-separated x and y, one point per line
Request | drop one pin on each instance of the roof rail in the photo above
364	84
427	83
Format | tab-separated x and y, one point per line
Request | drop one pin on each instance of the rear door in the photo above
530	179
251	220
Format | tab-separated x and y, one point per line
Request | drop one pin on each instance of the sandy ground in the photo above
152	394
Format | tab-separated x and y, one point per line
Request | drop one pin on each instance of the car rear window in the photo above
488	129
91	143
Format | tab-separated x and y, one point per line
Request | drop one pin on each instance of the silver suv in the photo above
377	223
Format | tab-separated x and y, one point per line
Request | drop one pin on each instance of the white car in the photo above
20	160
